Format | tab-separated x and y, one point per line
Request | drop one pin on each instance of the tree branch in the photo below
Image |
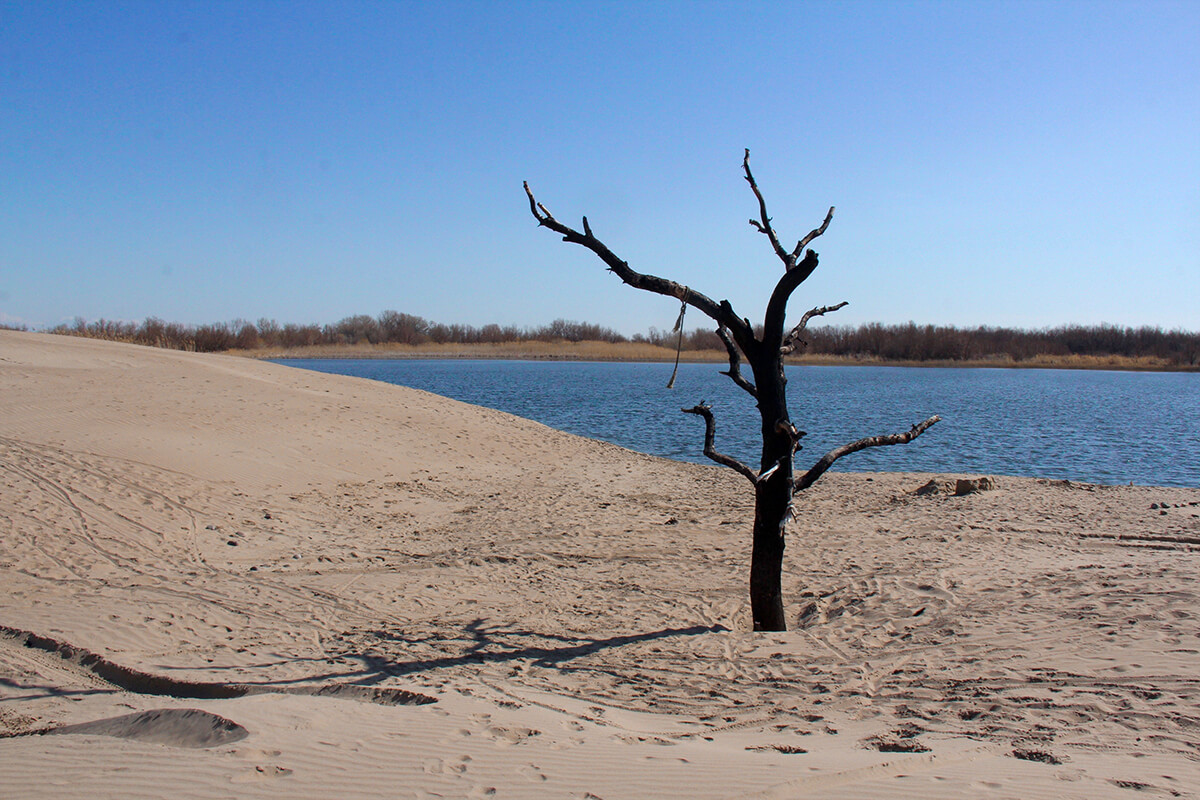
777	306
796	269
814	233
735	363
710	430
721	313
790	341
763	224
809	478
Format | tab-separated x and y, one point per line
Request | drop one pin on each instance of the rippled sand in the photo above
328	554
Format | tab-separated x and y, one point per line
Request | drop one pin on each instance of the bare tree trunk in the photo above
771	503
775	483
773	489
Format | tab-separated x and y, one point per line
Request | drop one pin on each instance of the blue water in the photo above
1092	426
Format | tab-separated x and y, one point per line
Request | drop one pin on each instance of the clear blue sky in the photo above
1011	163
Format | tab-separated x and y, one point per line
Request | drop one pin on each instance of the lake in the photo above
1082	425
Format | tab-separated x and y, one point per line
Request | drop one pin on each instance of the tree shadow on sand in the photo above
378	654
498	645
476	643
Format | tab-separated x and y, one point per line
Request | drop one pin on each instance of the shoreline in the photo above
645	353
642	352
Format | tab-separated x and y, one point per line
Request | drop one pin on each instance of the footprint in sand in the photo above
532	772
439	766
262	773
510	735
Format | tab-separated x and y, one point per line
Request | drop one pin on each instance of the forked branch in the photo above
796	268
793	338
721	313
814	233
763	223
776	314
710	432
809	478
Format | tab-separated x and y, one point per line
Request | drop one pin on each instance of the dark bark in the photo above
722	313
772	508
793	338
710	432
735	363
772	496
775	484
809	478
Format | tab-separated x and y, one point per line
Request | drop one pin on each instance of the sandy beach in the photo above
228	578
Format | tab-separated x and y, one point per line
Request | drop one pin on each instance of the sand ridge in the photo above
577	610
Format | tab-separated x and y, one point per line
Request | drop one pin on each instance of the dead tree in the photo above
775	482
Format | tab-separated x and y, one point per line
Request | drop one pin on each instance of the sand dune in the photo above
338	551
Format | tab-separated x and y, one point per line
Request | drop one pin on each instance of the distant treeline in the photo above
389	327
937	343
908	342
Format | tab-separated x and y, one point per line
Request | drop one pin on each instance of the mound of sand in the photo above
175	727
340	549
